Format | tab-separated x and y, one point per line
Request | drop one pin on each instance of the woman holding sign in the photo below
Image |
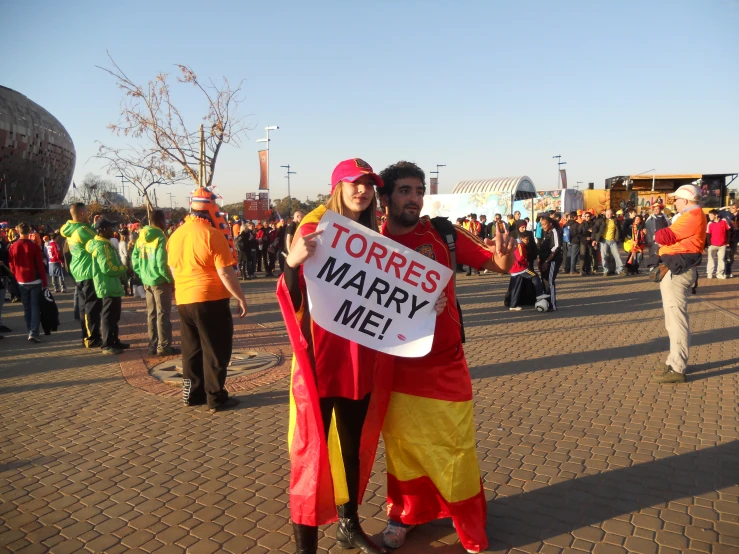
334	414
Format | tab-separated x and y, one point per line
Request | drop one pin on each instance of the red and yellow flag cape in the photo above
317	476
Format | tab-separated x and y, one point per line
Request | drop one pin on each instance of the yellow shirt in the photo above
196	251
610	233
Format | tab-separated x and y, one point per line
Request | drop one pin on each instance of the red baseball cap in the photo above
351	170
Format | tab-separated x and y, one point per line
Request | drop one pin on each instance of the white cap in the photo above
687	192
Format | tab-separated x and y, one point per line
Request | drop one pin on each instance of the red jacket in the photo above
522	263
26	262
52	250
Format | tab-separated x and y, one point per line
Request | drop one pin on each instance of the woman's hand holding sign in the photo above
502	247
303	247
440	305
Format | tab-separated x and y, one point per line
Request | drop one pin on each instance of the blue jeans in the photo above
31	298
612	246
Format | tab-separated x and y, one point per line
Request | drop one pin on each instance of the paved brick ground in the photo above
579	451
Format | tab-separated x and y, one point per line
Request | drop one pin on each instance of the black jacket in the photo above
551	243
599	230
49	313
575	231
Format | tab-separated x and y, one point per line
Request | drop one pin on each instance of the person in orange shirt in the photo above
681	251
205	280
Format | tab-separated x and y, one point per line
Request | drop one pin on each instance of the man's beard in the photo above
400	218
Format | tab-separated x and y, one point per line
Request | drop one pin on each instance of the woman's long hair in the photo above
368	217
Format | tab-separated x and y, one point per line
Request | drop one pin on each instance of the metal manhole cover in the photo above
243	362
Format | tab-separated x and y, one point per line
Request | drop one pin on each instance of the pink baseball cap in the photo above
351	170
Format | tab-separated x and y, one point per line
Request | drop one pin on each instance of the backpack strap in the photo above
446	229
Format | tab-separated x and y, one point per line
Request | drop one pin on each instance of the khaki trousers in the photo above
675	291
158	312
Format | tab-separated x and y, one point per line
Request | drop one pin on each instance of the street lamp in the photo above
642	173
577	185
437	177
559	168
268	129
289	198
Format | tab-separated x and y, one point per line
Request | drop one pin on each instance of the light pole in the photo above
560	163
170	199
437	177
577	185
268	129
289	198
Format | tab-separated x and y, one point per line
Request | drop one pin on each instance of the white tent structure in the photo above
519	188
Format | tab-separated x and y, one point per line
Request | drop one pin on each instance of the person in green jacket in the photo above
107	271
149	262
78	233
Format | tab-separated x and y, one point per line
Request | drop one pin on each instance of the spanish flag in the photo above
429	435
317	476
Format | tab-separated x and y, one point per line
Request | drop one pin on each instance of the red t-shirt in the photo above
442	373
719	231
343	368
522	263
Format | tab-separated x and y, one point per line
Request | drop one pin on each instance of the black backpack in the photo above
446	229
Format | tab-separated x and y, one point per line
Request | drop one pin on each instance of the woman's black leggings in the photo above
350	416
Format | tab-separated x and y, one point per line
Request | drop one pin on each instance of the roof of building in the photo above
520	187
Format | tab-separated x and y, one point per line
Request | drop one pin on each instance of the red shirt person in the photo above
429	431
27	264
332	387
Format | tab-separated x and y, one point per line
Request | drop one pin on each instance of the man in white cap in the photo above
681	251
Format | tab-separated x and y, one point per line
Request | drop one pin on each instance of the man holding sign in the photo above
429	432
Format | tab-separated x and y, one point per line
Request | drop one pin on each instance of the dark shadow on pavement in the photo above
41	386
564	507
603	355
258	399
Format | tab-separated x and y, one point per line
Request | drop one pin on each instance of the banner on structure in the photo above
263	170
371	290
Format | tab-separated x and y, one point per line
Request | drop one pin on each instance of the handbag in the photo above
658	272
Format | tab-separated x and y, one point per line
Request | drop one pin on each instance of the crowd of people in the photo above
343	395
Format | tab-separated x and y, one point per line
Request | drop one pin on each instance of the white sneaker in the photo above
709	276
516	309
721	276
394	535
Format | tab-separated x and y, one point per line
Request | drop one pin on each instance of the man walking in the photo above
149	262
681	251
432	468
607	233
107	271
202	265
78	233
27	265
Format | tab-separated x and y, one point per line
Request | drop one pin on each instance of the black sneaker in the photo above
122	345
97	343
152	351
229	403
5	329
33	338
169	351
112	350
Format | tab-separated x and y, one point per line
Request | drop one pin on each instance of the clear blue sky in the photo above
489	88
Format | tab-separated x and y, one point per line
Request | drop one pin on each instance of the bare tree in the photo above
141	168
149	113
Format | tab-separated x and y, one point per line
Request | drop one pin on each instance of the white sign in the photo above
371	290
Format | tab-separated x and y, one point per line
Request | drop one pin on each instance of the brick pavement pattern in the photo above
579	451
